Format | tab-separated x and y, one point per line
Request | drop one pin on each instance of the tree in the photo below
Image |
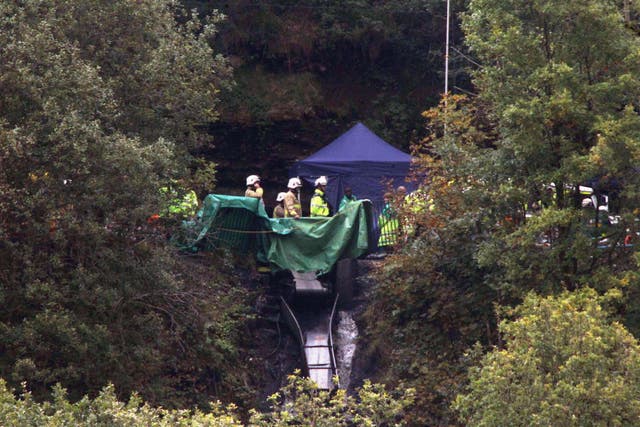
564	363
98	101
561	81
432	300
557	103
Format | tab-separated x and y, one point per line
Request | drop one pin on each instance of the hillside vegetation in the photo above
557	106
508	298
99	107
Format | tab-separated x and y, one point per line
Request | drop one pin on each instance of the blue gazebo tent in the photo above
360	159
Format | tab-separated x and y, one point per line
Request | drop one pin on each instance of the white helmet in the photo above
321	181
587	202
294	183
280	196
252	179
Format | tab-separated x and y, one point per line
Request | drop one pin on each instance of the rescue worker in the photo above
253	187
347	198
178	206
388	223
292	206
415	205
278	211
319	205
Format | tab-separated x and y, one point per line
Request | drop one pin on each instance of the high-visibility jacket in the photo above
319	205
183	207
415	205
292	206
389	226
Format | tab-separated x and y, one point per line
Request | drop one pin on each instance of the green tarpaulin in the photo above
305	244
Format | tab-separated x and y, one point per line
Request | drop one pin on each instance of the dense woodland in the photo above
503	304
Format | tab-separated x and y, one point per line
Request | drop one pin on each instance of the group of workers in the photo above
288	203
393	227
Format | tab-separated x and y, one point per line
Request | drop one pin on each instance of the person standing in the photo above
388	223
292	206
319	205
278	211
254	189
347	198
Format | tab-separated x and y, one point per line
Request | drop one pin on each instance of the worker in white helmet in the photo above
278	211
292	206
254	188
319	205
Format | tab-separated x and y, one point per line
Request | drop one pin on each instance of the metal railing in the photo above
332	318
293	324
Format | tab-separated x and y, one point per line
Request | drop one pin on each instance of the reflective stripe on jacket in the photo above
389	227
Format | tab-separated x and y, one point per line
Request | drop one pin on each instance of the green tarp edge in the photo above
305	244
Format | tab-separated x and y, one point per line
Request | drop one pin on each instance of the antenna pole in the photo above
446	67
446	54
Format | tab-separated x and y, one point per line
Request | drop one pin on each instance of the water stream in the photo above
345	341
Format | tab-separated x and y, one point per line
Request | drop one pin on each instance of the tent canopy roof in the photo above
358	159
358	144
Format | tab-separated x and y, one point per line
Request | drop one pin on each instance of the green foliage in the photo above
432	301
561	81
300	402
303	405
98	102
164	76
554	74
104	410
203	179
564	363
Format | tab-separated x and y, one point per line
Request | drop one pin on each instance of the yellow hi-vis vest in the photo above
185	207
318	205
389	227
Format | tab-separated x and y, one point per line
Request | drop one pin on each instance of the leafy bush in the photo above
299	403
104	410
564	362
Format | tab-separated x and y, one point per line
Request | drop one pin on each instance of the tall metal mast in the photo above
446	69
446	54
